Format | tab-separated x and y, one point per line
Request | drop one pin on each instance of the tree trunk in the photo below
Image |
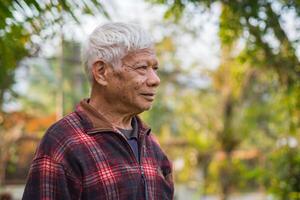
2	167
59	89
226	178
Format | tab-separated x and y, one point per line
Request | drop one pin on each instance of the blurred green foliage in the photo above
257	87
286	165
228	136
23	21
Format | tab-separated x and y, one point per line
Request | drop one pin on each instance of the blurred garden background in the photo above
228	108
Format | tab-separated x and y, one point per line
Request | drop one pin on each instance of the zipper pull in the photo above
145	183
142	171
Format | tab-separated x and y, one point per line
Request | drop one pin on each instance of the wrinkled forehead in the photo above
147	54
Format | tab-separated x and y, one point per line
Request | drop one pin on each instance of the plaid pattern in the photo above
76	161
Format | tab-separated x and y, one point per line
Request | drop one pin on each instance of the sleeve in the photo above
167	169
165	164
50	180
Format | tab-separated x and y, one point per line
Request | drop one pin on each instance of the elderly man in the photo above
103	150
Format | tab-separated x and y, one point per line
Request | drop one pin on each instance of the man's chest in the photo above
108	167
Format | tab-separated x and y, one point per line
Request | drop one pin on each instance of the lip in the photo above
148	96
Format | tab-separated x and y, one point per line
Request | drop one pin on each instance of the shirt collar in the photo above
95	122
131	133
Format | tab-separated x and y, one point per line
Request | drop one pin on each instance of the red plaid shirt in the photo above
84	157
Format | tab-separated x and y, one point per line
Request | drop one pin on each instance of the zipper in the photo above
141	153
145	182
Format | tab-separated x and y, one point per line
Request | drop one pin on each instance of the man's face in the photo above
132	86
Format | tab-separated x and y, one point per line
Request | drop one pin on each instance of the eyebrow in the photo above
154	63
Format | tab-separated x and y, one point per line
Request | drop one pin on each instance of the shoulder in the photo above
65	126
60	137
156	147
161	157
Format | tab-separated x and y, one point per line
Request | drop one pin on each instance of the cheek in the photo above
138	85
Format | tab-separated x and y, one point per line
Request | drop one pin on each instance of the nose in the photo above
153	79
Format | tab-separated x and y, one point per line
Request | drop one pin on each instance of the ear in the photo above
100	70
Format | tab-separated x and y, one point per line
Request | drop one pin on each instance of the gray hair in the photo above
111	42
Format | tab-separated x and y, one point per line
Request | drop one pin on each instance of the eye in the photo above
143	67
155	68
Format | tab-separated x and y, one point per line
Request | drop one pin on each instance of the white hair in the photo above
111	42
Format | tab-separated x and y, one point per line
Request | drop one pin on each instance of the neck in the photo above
110	111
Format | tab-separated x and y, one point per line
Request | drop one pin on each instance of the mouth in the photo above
148	96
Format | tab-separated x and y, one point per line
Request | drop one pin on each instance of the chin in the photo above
145	108
148	108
